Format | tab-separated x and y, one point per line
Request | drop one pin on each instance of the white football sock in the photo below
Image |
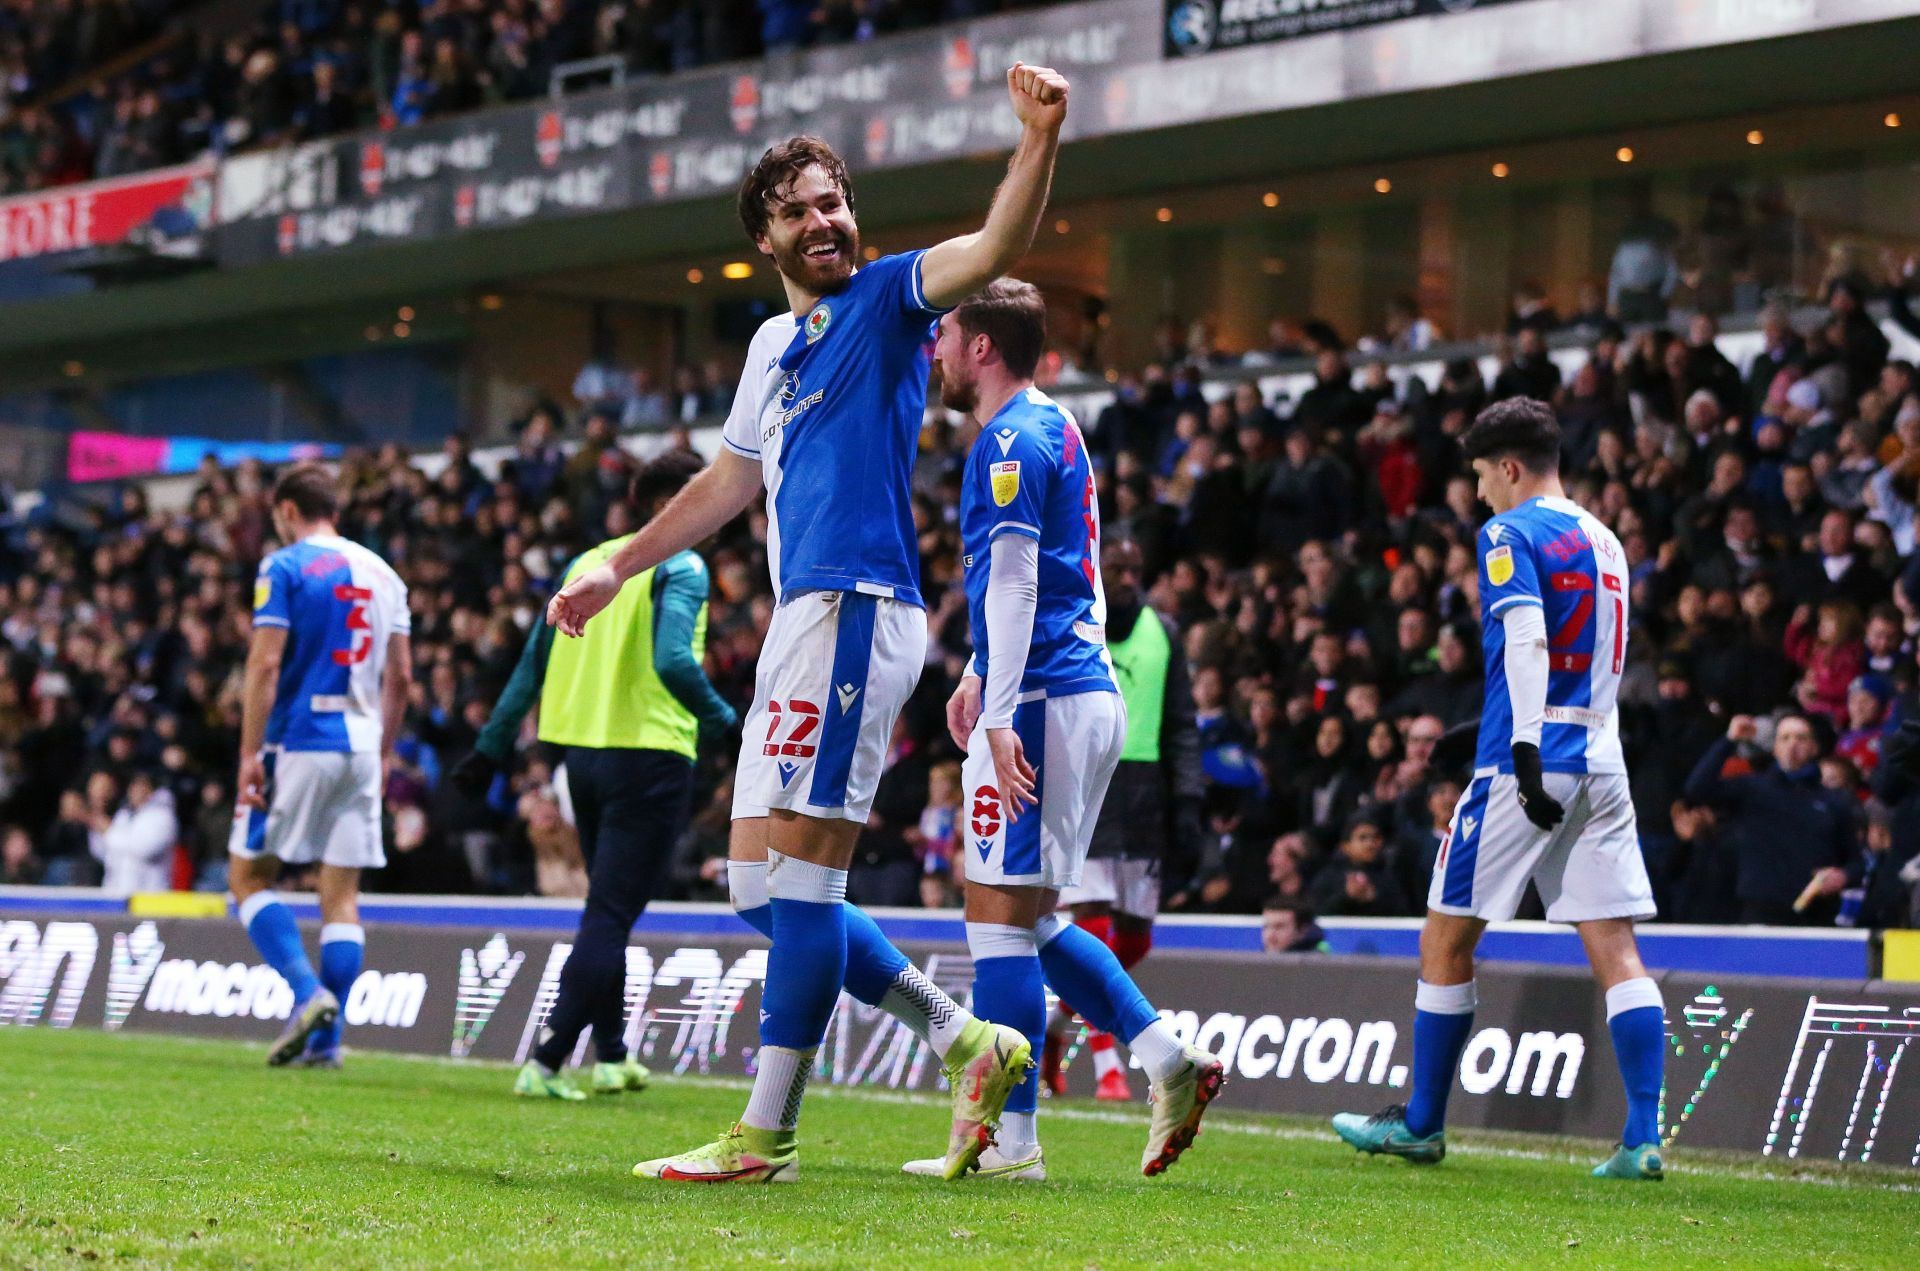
1159	1051
1018	1136
778	1087
918	1003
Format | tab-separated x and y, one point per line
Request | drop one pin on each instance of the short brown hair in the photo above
774	175
1013	315
311	489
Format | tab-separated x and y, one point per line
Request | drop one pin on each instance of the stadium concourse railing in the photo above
1825	953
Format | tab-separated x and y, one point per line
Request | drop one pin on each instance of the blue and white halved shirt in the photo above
339	603
1549	552
831	404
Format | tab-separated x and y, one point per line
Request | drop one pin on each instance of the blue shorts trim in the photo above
1023	836
846	699
256	840
1464	852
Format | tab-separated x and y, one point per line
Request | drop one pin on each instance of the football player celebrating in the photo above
827	418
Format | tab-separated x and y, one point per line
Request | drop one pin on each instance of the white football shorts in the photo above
1129	886
1587	867
322	805
836	669
1073	745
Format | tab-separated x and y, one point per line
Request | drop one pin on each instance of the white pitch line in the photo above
1097	1116
1291	1133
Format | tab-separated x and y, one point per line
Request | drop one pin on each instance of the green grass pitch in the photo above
167	1151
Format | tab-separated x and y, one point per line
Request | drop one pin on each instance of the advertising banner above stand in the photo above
940	94
1202	26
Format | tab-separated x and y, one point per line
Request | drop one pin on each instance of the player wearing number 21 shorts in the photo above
1548	803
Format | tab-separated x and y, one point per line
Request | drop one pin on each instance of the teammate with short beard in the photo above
1043	725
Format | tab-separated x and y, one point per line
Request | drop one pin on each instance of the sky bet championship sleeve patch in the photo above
1006	481
1499	564
262	591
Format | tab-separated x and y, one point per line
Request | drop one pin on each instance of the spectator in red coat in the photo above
1829	653
1386	445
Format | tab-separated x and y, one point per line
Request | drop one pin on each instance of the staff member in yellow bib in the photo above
629	701
1152	807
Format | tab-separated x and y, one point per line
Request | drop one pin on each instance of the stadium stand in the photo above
1313	547
106	89
1300	506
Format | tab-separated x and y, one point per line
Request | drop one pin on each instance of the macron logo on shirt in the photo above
1005	437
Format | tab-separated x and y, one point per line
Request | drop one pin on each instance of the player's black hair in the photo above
1520	428
663	477
1013	315
772	179
311	489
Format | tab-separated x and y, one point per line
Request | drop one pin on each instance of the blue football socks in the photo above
1008	989
270	925
1442	1022
1636	1017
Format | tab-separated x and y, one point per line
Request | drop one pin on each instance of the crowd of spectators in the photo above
313	68
1316	555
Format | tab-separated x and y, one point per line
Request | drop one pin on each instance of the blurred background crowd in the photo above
99	88
1315	552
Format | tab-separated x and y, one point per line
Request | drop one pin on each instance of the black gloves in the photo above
1541	808
473	775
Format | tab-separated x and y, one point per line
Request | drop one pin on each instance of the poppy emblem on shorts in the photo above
986	812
